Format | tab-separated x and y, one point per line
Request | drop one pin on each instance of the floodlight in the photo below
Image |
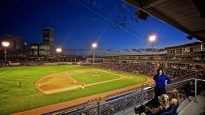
58	50
5	44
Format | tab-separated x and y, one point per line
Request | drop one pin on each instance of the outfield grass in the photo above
94	77
14	98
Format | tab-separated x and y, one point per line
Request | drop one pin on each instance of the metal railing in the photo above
123	103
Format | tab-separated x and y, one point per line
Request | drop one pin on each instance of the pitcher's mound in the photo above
56	83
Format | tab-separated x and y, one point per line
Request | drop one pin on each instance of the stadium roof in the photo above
184	45
186	15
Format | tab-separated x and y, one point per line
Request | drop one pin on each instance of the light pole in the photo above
5	45
152	38
94	46
58	50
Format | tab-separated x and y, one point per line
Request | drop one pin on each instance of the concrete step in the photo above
184	103
194	107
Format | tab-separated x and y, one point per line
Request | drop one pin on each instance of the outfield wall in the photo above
59	63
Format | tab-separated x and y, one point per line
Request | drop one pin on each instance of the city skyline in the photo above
78	23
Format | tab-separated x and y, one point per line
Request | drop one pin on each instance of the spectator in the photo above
174	97
160	79
163	107
173	103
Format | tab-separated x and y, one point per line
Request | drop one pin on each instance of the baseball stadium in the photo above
76	67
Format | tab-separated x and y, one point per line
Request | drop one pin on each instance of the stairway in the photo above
184	103
194	107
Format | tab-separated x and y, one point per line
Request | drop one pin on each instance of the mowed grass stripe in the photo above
15	99
93	77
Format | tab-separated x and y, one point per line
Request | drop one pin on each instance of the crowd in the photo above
149	69
130	67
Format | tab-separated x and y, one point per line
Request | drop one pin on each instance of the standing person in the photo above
20	84
160	80
82	86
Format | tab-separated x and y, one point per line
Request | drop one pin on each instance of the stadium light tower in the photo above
5	44
94	46
152	38
58	50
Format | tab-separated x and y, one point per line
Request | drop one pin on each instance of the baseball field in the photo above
28	87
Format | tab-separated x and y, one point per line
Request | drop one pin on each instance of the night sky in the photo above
78	23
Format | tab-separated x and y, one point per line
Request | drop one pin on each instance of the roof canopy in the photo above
186	15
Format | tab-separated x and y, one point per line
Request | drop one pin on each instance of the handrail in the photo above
181	81
200	79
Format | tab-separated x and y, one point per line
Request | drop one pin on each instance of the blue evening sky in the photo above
78	23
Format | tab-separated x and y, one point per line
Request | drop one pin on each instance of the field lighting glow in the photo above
58	50
94	45
152	38
5	44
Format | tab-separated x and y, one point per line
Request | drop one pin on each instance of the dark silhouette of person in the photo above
160	80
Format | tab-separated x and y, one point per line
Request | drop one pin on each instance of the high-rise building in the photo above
49	38
39	50
46	48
